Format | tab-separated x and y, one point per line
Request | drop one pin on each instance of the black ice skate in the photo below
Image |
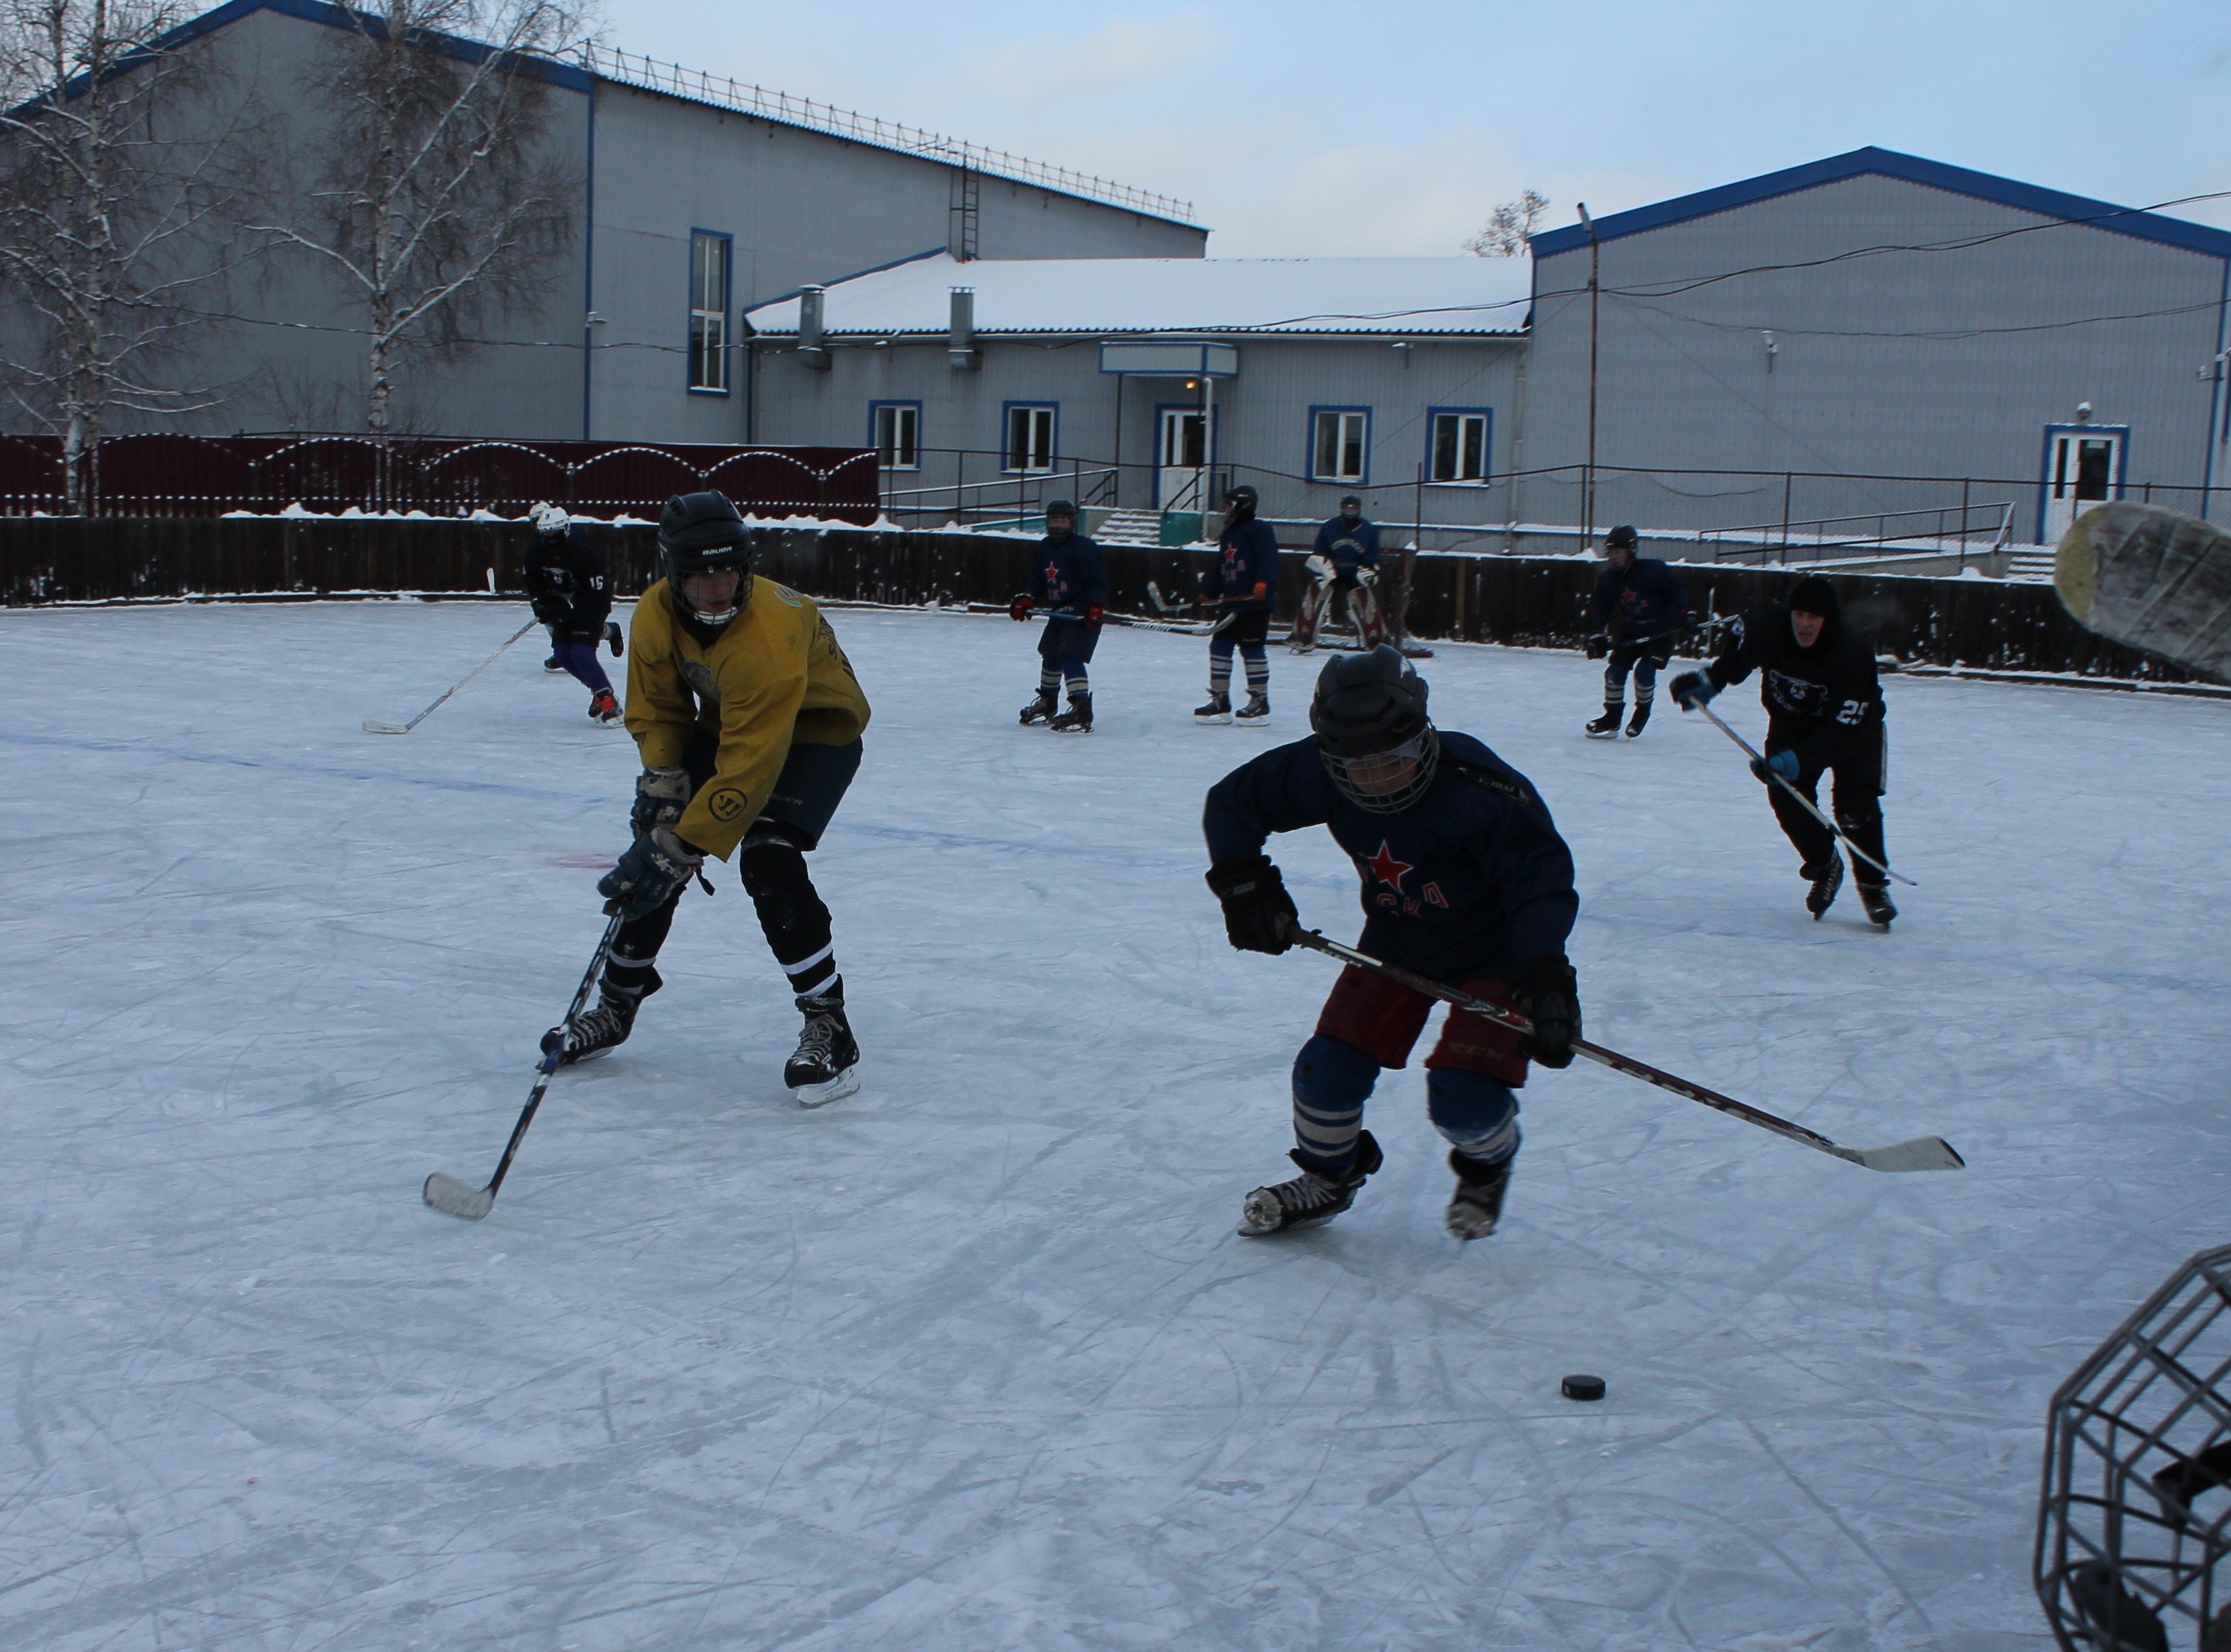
1640	721
1477	1205
1827	878
1310	1198
1078	719
1219	709
592	1032
603	707
1041	709
554	663
1256	711
825	1066
1605	727
612	635
1875	897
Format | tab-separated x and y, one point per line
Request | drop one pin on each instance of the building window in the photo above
896	429
1459	450
1341	444
1030	438
708	313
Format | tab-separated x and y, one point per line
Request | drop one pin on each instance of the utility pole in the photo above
1595	294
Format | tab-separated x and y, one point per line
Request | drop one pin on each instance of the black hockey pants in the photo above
771	859
1860	774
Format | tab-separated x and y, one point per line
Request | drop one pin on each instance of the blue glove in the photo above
652	873
1781	764
1692	690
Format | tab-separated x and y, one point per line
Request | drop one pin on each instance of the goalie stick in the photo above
373	725
453	1197
1811	808
1922	1154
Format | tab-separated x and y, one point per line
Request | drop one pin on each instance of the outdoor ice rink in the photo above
972	1360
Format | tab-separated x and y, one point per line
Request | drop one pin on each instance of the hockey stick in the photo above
373	725
1922	1154
1811	808
453	1197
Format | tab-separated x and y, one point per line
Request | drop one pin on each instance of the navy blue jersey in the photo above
1068	575
564	580
1472	880
1649	598
1348	545
1246	572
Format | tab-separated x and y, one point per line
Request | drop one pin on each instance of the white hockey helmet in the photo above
549	518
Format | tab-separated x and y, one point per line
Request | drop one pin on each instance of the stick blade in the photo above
452	1198
1922	1154
373	725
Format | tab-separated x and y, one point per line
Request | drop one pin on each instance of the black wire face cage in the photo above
2135	1512
1376	782
715	561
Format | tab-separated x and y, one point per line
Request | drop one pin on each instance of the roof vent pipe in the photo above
810	348
961	341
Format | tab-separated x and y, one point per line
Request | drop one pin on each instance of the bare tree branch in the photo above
1510	232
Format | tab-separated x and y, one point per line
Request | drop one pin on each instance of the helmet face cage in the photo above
551	519
2135	1512
681	563
1386	783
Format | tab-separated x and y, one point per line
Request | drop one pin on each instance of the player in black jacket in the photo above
1824	714
1465	880
564	580
1645	604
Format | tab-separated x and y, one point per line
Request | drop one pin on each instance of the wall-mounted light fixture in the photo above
1771	351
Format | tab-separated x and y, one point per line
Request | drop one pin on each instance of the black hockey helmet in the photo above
1622	538
700	533
1372	731
1242	499
1347	499
1060	507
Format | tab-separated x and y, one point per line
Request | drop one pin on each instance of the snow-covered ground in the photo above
973	1360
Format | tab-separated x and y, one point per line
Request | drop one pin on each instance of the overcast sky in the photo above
1395	125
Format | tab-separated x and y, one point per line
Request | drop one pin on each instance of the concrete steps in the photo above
1130	527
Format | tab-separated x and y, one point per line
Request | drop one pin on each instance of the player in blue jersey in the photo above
1068	579
1244	584
1465	880
1344	560
1640	610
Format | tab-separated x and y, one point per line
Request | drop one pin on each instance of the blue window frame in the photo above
1459	450
711	255
1339	444
895	432
1030	437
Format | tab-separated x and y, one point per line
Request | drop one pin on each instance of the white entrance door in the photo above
2082	467
1181	459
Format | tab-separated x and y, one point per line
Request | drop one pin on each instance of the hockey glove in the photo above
549	611
1094	615
1021	608
660	795
1366	574
1783	764
653	871
612	635
1598	646
1692	690
1258	913
1321	568
1548	994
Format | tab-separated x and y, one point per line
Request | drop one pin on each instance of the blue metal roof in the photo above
332	16
1888	163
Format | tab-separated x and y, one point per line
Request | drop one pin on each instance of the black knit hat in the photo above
1814	595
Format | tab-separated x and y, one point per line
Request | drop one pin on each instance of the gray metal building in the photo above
1877	315
1144	385
694	199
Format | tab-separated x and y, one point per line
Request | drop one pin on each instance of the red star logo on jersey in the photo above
1388	870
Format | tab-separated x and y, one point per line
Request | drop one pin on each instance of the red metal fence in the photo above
182	475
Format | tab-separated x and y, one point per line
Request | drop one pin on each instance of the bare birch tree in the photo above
1510	232
119	180
434	201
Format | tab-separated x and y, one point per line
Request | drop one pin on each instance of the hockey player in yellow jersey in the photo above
748	720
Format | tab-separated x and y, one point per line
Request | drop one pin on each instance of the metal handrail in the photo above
650	73
1767	539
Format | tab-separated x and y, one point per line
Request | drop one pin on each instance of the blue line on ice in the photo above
2134	979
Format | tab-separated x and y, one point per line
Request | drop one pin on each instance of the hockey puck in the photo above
1581	1386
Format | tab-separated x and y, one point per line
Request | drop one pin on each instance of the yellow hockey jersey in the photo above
774	676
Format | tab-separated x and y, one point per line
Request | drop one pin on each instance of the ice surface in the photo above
973	1359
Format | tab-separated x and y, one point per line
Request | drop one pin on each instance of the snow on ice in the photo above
973	1359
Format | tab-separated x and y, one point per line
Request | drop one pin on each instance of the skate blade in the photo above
1607	734
452	1198
820	1096
1224	717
